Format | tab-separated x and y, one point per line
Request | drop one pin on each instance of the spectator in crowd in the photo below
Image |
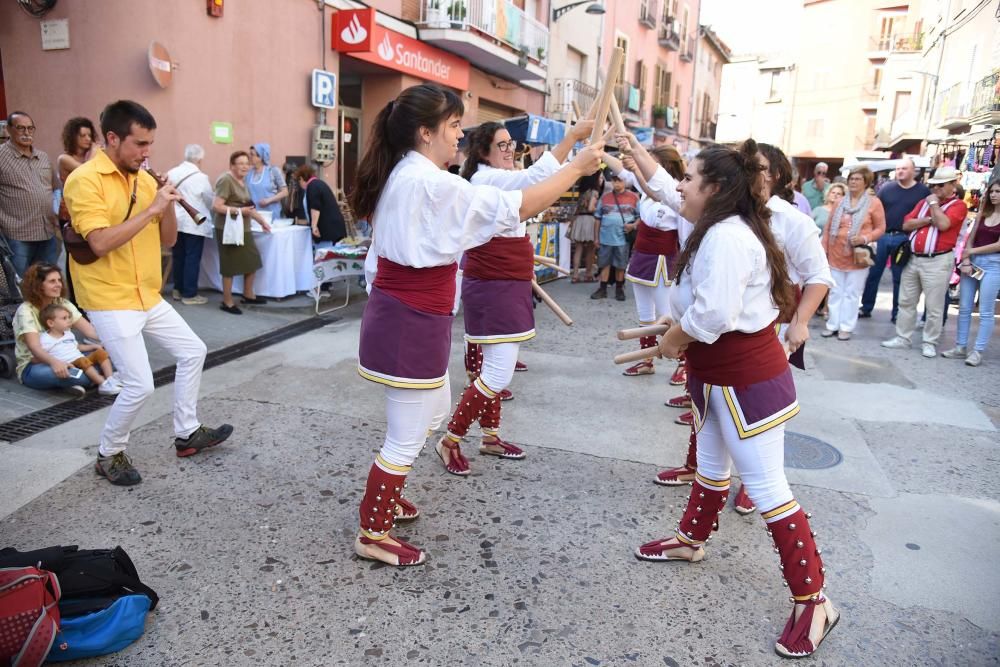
821	214
27	183
117	207
898	198
43	286
265	182
618	213
79	142
858	220
325	219
816	188
59	342
232	196
937	222
583	227
980	269
798	199
192	184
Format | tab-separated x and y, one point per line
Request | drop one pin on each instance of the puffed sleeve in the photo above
509	179
85	203
805	251
458	215
629	179
657	215
718	295
664	186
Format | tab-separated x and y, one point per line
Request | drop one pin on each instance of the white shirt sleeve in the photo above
657	215
630	180
664	186
459	216
799	238
509	179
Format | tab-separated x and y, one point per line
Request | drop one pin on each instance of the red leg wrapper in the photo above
471	407
473	359
705	504
378	507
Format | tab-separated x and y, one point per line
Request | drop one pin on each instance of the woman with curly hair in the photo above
79	143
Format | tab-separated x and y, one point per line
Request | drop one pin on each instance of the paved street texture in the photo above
530	563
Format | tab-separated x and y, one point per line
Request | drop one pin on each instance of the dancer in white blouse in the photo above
731	287
496	294
423	219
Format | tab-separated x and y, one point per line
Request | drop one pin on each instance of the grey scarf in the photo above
857	216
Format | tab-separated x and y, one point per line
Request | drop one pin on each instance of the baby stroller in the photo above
10	299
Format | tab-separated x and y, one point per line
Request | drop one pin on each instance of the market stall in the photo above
287	256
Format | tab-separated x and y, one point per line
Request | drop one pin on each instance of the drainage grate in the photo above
809	453
46	418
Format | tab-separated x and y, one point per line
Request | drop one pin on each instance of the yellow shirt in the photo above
127	278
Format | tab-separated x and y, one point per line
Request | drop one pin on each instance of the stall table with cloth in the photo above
287	256
341	262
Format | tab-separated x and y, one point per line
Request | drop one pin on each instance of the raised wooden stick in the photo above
554	267
636	355
639	332
577	111
616	116
551	303
603	102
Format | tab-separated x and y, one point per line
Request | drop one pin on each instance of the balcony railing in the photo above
687	50
986	97
898	42
629	97
501	21
648	11
567	91
953	107
667	35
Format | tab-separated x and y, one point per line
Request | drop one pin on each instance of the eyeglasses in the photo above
505	146
24	129
936	185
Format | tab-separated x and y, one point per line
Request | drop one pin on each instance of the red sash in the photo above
430	290
501	258
738	359
653	241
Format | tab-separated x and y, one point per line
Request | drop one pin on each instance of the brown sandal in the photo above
456	464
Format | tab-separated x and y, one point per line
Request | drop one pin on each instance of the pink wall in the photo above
250	68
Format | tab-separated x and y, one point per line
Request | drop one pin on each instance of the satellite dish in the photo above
160	65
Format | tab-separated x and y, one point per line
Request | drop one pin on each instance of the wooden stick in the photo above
637	355
616	116
542	259
607	93
639	332
551	303
577	110
554	267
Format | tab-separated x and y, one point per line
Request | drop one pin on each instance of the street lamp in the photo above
594	8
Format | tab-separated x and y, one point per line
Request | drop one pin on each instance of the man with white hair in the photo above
194	186
816	188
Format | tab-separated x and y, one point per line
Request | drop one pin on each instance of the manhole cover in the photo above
807	452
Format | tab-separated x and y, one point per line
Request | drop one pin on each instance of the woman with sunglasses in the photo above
423	218
496	293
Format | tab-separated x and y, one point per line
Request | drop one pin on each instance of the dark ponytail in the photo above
780	170
478	150
394	133
737	173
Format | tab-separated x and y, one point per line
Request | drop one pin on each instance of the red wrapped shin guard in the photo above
647	341
378	507
708	497
801	564
490	419
474	402
473	359
692	457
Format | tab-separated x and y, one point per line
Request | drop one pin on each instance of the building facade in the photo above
713	54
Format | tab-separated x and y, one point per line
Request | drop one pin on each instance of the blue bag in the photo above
102	632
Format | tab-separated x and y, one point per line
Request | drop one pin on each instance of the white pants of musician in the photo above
121	333
651	302
845	299
411	414
760	459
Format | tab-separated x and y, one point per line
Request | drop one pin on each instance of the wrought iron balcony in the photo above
648	11
985	107
667	35
567	91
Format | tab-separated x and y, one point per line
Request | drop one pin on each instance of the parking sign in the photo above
324	89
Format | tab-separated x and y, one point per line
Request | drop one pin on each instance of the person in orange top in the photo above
858	221
115	205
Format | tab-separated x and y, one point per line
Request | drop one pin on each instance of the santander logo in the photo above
354	33
385	48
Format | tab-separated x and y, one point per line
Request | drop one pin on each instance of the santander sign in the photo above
387	48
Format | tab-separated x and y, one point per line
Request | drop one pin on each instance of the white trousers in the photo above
121	333
651	302
845	299
410	414
499	360
760	459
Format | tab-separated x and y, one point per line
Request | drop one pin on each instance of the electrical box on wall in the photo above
215	8
324	143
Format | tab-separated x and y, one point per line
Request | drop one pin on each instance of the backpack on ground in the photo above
29	615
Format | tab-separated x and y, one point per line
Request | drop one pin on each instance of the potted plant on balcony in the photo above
456	13
659	116
540	51
437	17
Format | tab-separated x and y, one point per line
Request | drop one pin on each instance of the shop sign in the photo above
388	48
352	30
324	89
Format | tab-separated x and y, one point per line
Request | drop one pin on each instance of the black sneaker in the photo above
201	439
118	469
600	293
620	292
864	315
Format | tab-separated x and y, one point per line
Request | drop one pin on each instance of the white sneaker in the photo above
928	350
175	294
76	391
108	388
957	352
196	300
974	358
896	343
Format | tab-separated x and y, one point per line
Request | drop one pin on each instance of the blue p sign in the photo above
324	89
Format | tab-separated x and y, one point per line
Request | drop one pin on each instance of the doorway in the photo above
350	147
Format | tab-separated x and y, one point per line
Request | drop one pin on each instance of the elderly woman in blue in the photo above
265	181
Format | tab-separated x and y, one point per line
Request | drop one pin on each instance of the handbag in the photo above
77	246
864	256
232	233
902	254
